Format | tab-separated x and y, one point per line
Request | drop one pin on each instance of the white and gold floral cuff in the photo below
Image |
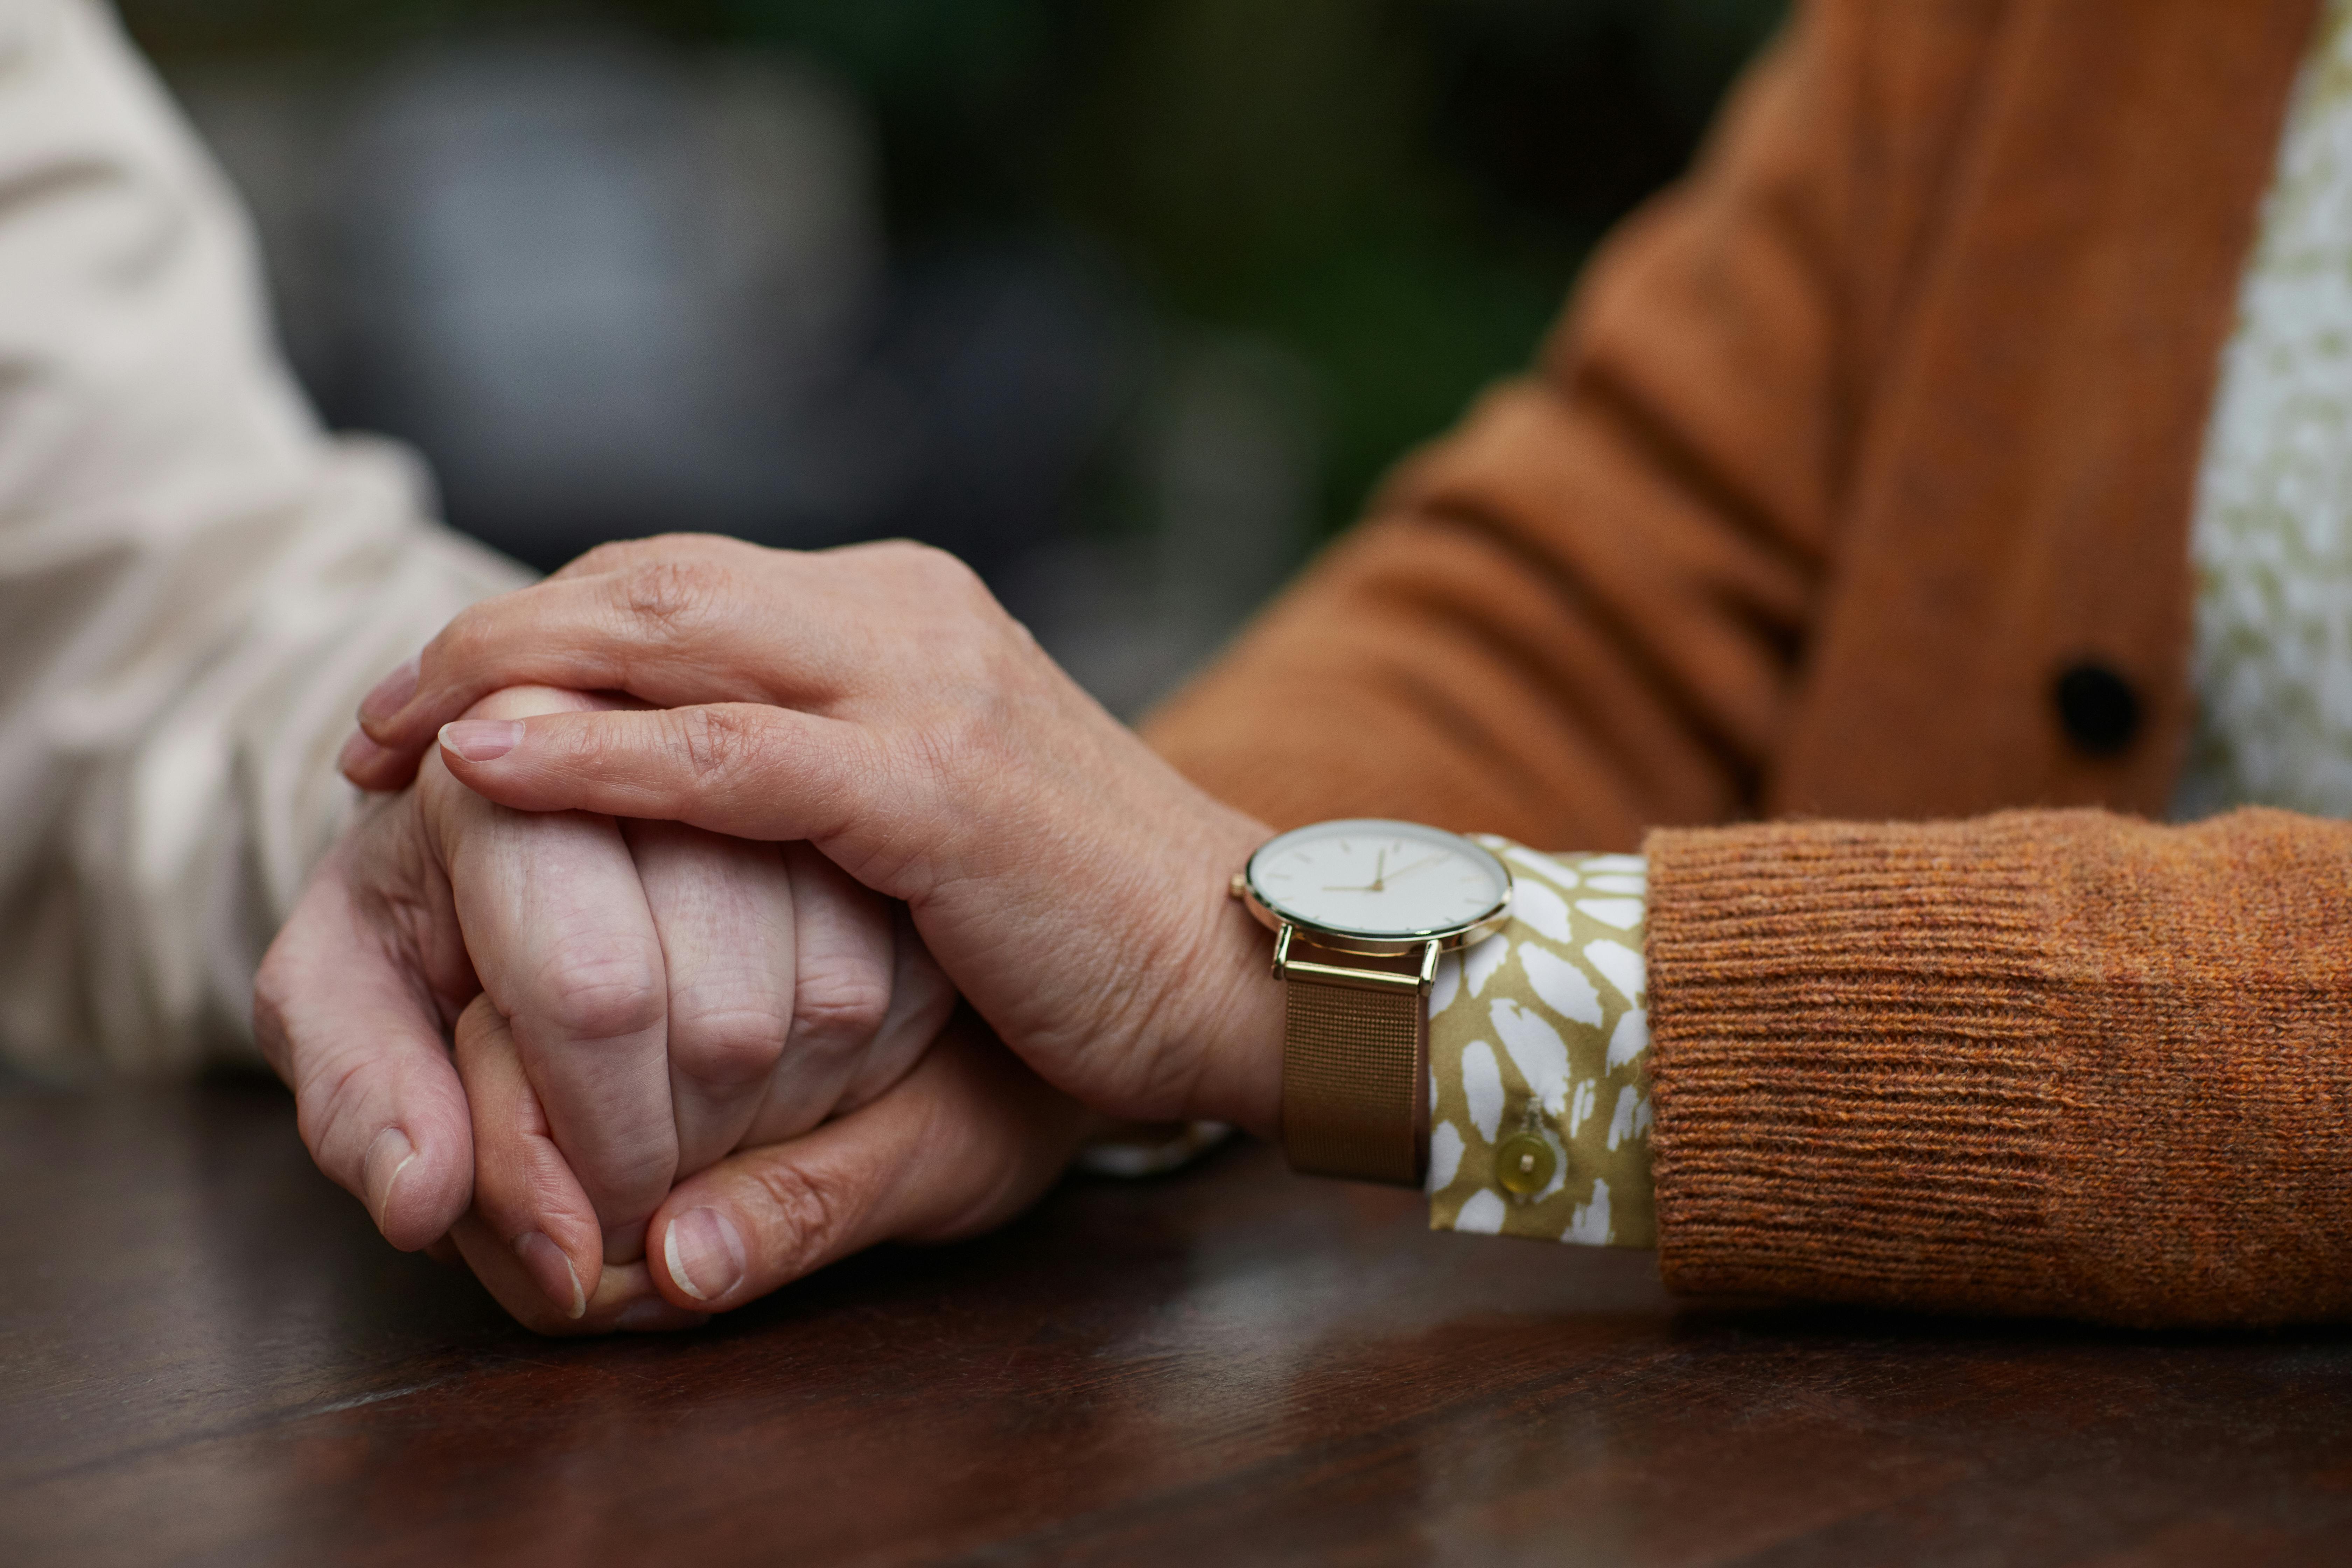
1538	1054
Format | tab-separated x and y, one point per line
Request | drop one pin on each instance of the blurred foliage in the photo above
1399	190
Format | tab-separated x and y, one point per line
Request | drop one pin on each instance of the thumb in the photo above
965	1141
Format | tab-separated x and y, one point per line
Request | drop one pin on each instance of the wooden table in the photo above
210	1358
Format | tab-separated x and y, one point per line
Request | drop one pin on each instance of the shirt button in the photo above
1524	1165
2098	707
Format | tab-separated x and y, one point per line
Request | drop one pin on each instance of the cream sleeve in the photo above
197	582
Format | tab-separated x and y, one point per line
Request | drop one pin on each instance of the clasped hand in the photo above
631	1003
930	773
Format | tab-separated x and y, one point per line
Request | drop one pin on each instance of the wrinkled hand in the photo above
645	998
877	703
966	1141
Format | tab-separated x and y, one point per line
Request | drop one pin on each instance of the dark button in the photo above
2098	708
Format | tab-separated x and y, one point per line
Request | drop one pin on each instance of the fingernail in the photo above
657	1313
392	693
547	1264
387	1155
705	1253
358	752
482	739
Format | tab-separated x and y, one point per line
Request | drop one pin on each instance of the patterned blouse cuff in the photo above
1540	1054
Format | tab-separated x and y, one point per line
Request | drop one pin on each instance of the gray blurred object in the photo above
604	289
611	290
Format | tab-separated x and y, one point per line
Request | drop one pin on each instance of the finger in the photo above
373	767
842	967
624	1300
920	1000
353	1034
724	910
557	921
681	629
746	770
965	1141
362	759
524	1191
675	623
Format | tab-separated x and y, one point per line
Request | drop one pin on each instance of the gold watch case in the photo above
1449	939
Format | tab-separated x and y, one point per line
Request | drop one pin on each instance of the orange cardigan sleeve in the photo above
1580	613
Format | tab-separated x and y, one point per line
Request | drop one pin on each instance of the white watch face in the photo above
1377	878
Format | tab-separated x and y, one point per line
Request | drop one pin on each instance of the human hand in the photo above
661	995
964	1141
877	703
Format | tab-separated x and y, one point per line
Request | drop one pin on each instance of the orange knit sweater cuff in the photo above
1848	1069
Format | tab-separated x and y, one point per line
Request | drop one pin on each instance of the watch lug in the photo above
1281	949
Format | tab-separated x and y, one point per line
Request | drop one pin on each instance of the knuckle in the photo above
804	1212
944	581
719	742
597	993
908	568
929	561
613	555
839	1006
672	596
726	1045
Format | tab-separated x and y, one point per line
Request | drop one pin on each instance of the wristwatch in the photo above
1361	909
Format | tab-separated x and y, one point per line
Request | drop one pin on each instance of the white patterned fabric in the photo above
2271	538
1543	1031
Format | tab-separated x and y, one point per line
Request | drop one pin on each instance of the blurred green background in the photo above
1370	207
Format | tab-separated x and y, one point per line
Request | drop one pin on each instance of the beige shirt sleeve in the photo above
196	584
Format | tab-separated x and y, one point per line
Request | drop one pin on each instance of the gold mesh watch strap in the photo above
1355	1072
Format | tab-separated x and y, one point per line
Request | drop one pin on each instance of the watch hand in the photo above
1379	876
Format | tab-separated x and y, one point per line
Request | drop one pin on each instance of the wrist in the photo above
1234	1008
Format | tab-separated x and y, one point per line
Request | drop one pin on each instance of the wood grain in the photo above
210	1358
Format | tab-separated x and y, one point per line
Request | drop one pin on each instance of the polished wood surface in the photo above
210	1358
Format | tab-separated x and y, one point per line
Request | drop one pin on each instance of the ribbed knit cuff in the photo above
1850	1063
